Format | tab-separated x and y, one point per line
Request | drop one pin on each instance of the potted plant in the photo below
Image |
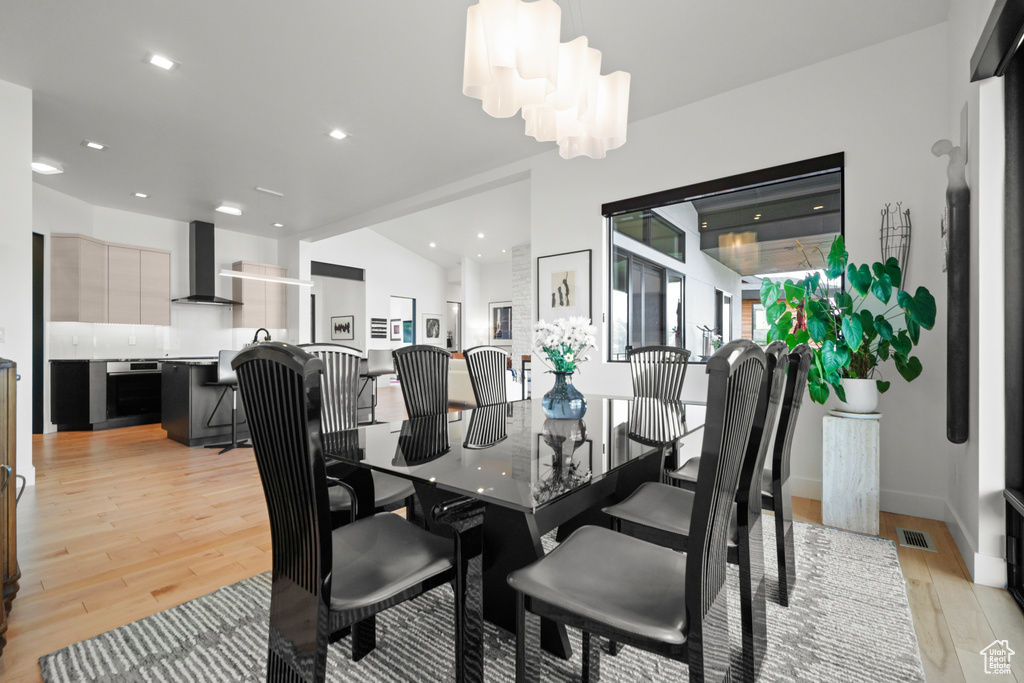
563	345
850	332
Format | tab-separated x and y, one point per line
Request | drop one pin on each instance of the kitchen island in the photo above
194	411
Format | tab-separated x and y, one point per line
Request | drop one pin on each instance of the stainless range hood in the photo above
202	268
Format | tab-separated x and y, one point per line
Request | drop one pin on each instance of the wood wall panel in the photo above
155	286
124	303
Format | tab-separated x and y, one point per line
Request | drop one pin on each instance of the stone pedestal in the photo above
849	473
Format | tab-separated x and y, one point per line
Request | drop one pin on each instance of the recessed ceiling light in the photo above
161	61
338	134
93	145
46	167
231	210
818	207
479	256
757	218
432	245
278	225
141	195
480	235
502	251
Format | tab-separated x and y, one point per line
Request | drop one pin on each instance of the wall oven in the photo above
133	389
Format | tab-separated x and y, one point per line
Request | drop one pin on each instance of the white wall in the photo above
16	256
338	297
474	305
390	270
883	106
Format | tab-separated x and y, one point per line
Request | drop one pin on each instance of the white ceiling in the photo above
501	215
261	82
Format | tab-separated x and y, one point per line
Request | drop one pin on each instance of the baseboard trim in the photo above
989	570
960	536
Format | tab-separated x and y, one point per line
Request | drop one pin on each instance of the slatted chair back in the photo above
423	374
658	371
656	422
735	376
280	387
487	367
488	426
422	440
776	365
340	385
796	385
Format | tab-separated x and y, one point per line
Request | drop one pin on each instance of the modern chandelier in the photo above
515	62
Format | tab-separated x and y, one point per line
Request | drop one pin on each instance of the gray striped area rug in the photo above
849	620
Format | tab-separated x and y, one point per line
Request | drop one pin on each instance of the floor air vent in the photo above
921	540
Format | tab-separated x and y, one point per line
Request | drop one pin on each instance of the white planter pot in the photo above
861	396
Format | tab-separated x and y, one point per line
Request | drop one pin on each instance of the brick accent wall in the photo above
522	303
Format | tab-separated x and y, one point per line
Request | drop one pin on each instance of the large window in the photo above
685	264
646	304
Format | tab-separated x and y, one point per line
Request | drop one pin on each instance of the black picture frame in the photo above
570	261
396	329
343	328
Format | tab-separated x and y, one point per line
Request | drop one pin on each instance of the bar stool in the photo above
378	362
226	378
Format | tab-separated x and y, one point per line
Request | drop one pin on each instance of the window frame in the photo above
666	272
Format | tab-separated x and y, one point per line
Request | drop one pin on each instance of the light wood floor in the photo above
125	523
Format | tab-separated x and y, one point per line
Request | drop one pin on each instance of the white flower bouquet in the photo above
563	344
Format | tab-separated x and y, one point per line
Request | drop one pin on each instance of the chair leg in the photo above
364	638
528	662
591	660
753	618
614	648
784	544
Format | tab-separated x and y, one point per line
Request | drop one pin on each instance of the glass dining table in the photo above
535	474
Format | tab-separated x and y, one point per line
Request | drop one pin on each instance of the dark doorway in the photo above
38	361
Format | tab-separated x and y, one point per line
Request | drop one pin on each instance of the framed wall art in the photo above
396	329
378	328
564	285
343	328
499	322
432	328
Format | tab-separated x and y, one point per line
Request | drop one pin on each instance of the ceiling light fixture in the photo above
160	61
278	225
266	191
479	256
46	166
93	145
818	207
226	272
432	245
141	195
514	61
230	210
338	134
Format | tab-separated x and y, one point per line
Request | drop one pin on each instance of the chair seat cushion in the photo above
664	507
587	575
688	473
387	490
379	557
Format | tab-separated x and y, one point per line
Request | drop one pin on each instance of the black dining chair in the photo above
340	412
774	483
642	594
663	514
328	580
487	367
422	440
226	378
658	371
423	375
488	426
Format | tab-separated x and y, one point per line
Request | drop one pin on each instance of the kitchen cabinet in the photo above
78	279
263	303
93	281
195	410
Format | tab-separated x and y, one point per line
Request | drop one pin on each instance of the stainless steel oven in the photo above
133	388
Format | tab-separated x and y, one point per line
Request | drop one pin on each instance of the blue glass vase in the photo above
564	401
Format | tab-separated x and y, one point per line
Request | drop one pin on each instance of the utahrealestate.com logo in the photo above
997	657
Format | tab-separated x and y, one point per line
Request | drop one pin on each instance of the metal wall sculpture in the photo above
958	310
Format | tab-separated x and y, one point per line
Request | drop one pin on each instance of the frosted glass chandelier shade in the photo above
514	63
511	53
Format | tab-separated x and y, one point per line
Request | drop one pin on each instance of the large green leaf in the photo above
794	293
840	392
769	292
814	307
882	288
883	327
802	337
773	311
920	307
882	386
913	329
883	349
867	324
833	358
909	368
895	274
835	264
860	278
853	333
780	328
811	283
818	391
817	327
844	302
901	343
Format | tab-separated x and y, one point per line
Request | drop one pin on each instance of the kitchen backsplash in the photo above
194	331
